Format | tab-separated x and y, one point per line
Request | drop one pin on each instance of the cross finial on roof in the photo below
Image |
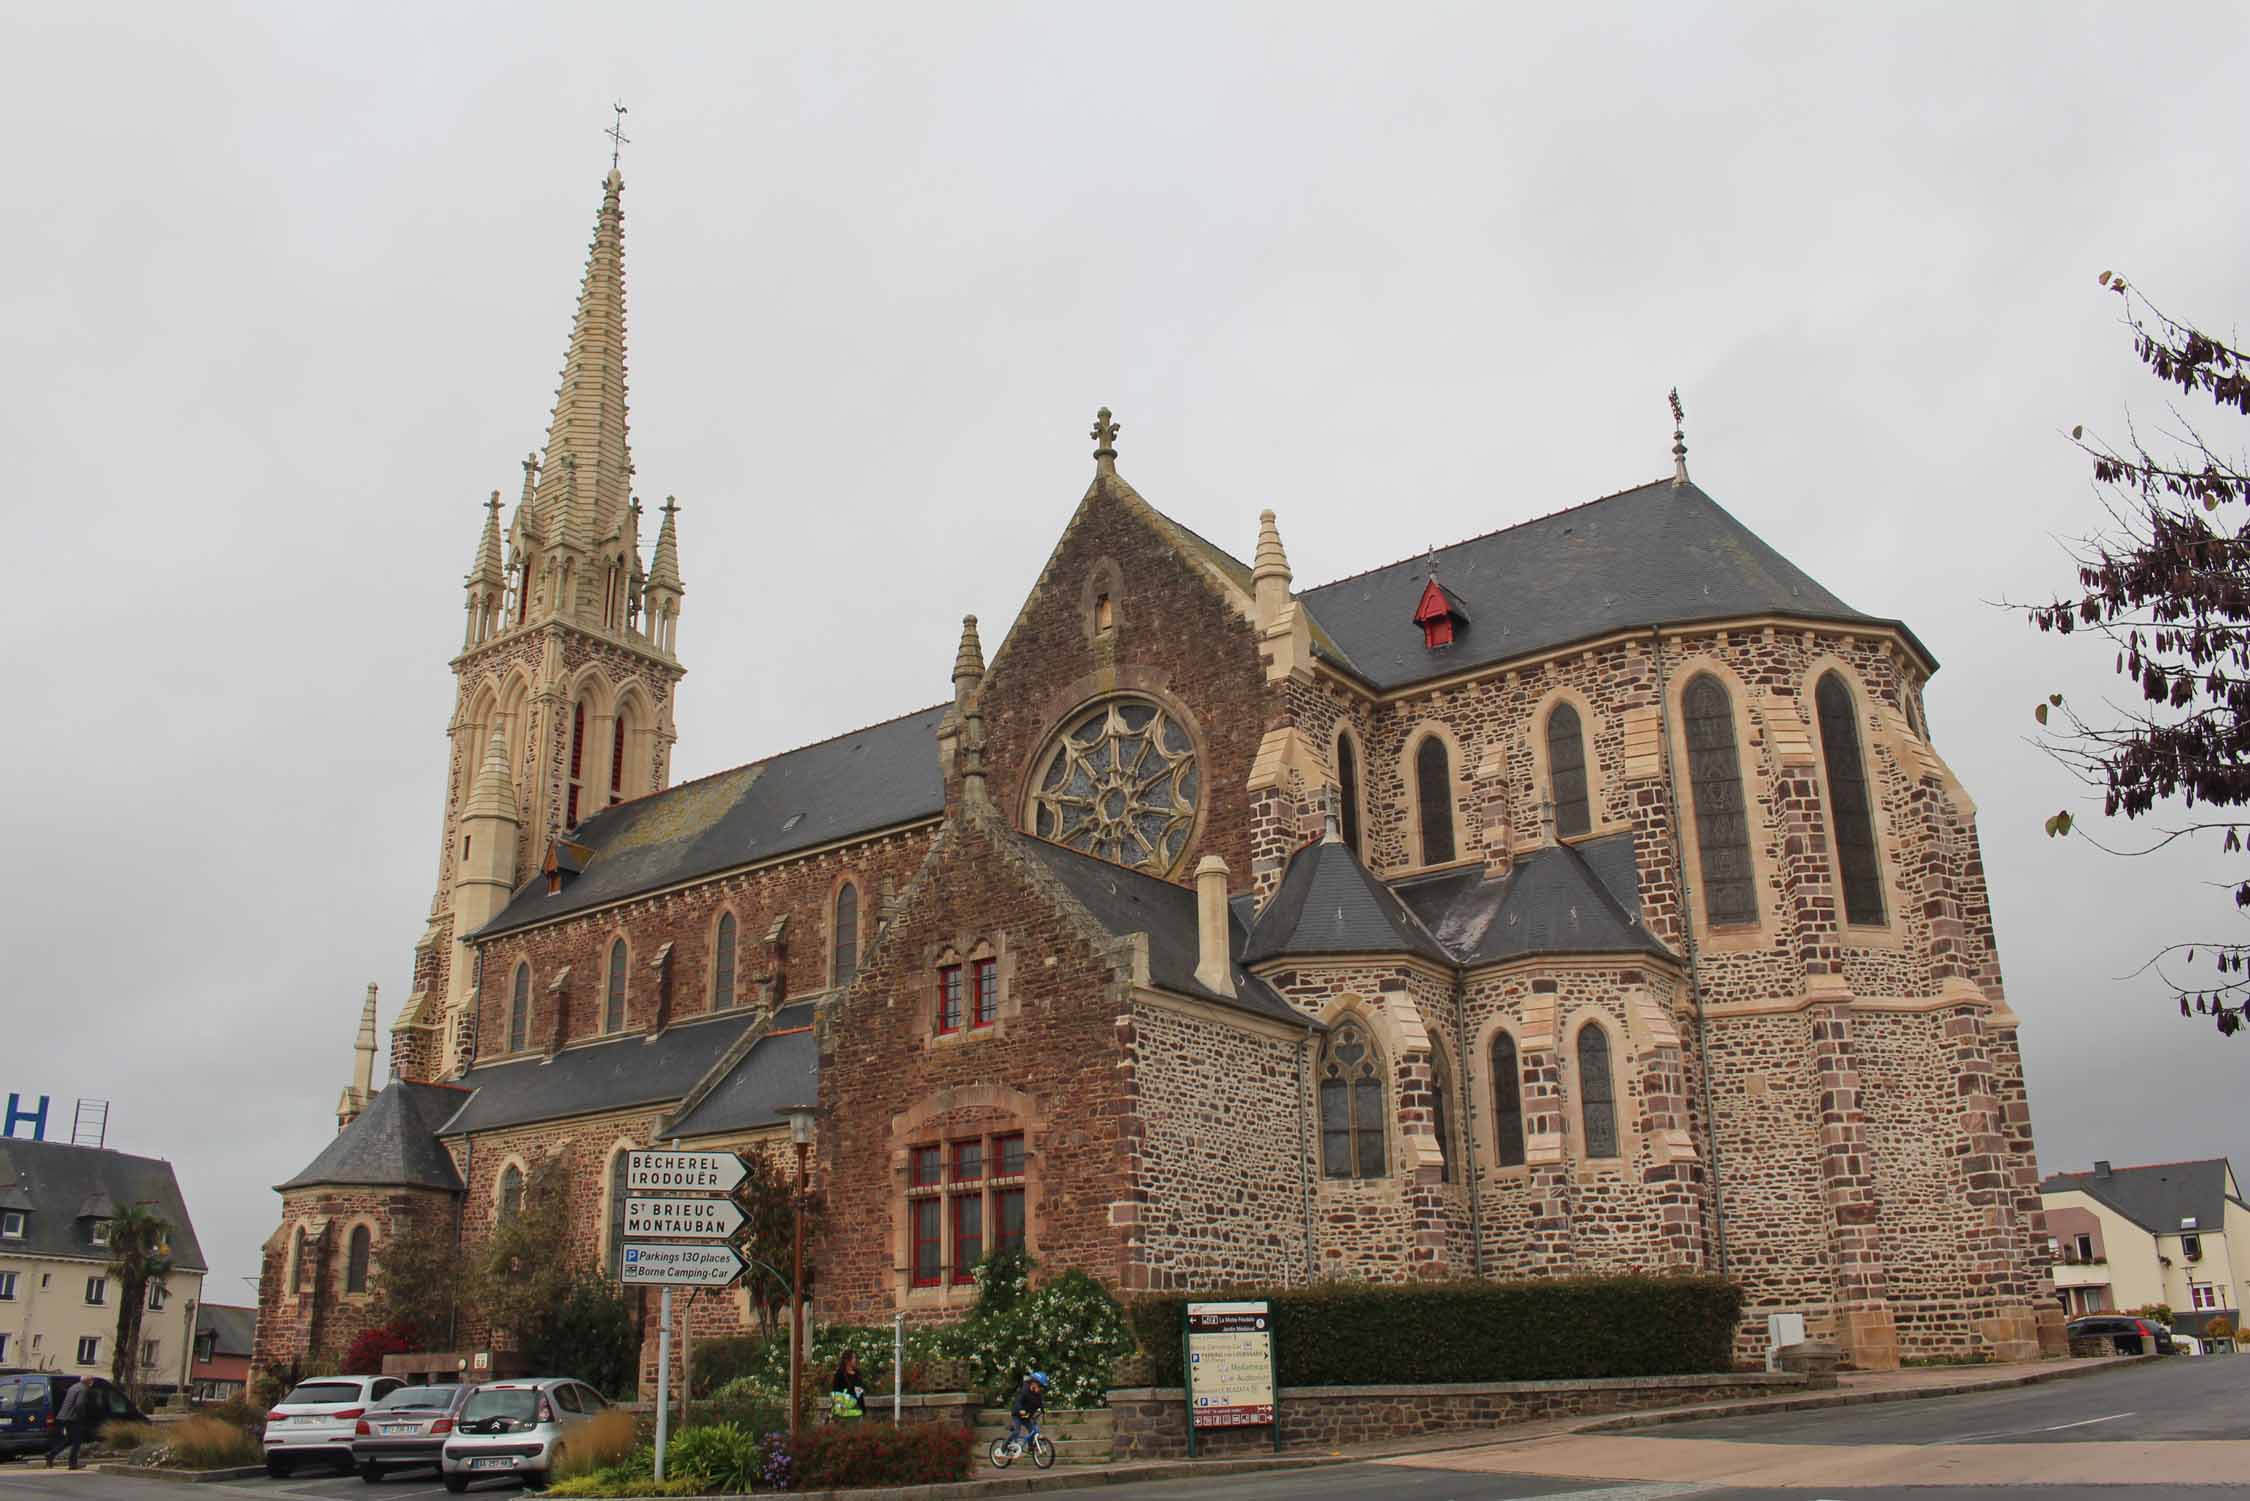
618	140
1679	439
1105	435
1430	557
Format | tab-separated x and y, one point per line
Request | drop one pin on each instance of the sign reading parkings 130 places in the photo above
683	1172
1229	1365
658	1264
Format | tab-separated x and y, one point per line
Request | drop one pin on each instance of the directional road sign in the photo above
707	1265
682	1215
683	1172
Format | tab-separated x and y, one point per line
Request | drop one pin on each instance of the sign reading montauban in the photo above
683	1172
682	1216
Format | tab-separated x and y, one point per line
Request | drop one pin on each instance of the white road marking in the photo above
2084	1423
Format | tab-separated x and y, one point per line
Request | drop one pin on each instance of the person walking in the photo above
72	1419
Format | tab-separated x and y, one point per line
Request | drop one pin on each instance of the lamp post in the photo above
800	1132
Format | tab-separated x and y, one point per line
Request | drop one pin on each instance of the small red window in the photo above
1009	1151
949	998
922	1167
928	1253
968	1162
968	1235
985	975
1437	632
1007	1210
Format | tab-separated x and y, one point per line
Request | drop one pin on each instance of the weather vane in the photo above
617	137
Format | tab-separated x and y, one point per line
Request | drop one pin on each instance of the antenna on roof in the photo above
1679	439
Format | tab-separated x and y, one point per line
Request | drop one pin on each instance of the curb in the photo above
1058	1480
182	1477
1630	1421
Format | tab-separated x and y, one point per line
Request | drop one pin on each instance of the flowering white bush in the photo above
1072	1329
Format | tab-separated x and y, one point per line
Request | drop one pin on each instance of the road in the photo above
2178	1430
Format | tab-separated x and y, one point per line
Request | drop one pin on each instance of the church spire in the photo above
487	581
585	483
664	586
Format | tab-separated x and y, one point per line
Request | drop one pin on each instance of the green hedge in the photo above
1358	1334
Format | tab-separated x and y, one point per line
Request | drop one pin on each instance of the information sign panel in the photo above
660	1264
1230	1381
683	1172
683	1215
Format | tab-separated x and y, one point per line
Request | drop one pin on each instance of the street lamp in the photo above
800	1132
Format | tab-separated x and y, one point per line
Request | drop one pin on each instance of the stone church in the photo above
1588	896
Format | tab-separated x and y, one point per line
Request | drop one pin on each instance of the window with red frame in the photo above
959	1205
949	998
1007	1213
968	1235
922	1167
984	977
929	1249
1009	1151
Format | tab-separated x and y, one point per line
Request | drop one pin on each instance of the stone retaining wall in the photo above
1152	1420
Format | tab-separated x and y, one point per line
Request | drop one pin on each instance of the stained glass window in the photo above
1722	826
1597	1094
519	1011
1848	805
722	964
1120	784
613	1013
511	1192
1347	787
847	934
1433	779
1351	1105
355	1260
1566	771
1507	1101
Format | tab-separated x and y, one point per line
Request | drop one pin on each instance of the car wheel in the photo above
457	1483
278	1469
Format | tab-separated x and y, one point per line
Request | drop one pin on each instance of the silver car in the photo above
516	1429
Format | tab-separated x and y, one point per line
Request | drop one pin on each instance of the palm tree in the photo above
140	1252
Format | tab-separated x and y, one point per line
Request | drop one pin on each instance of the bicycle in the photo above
1004	1450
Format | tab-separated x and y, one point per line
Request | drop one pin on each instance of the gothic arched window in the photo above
297	1260
577	764
1856	857
613	1009
1351	1105
1441	1113
1347	788
1507	1101
1566	771
846	932
1722	825
722	964
519	1011
1433	783
617	1193
355	1259
1597	1093
511	1193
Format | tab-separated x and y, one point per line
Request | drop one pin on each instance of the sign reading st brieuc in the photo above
683	1172
682	1216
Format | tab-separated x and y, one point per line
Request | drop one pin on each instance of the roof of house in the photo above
2159	1196
1580	898
873	778
1130	901
781	1069
56	1180
1328	903
234	1326
616	1073
1661	554
392	1143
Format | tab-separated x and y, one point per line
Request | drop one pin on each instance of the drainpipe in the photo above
1468	1120
1304	1161
1687	944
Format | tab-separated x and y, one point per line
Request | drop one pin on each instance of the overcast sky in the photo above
286	288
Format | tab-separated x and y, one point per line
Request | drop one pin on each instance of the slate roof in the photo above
617	1073
1661	554
870	779
1581	898
57	1179
1129	901
2159	1196
780	1070
235	1327
393	1143
1328	903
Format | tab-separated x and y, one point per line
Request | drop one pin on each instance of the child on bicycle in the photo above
1023	1415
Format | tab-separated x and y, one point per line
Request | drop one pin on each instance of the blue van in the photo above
28	1400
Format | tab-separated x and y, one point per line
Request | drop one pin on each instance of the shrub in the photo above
1072	1329
603	1440
767	1379
839	1455
727	1358
588	1333
607	1484
1352	1333
239	1411
124	1438
727	1457
205	1442
365	1356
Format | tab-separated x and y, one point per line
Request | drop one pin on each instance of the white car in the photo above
316	1421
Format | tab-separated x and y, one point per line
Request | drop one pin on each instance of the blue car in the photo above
29	1400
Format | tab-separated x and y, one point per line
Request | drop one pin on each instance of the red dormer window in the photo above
1438	614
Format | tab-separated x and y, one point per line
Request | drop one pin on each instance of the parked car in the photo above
30	1399
317	1421
407	1428
2127	1333
516	1428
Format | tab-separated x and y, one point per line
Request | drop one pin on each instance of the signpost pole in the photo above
898	1370
1187	1369
663	1380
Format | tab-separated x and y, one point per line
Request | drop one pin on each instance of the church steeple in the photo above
487	581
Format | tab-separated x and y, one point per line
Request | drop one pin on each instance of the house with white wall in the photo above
2176	1233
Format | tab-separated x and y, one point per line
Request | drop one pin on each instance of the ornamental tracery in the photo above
1121	783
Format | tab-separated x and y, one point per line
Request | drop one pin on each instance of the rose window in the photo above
1120	784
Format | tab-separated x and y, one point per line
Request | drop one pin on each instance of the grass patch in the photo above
124	1438
208	1443
606	1485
